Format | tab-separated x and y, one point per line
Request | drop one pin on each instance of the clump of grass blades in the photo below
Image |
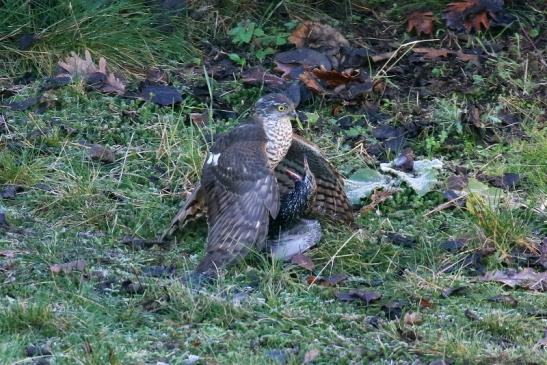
122	31
502	228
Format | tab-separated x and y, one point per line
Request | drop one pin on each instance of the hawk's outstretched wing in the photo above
331	200
240	193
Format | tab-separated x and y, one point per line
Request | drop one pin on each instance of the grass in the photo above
128	305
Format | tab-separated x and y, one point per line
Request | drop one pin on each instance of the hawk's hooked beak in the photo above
294	114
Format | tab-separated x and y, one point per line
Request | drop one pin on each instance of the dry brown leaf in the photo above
475	22
335	78
526	278
66	268
432	53
383	56
377	198
310	80
466	57
316	35
83	68
413	319
303	261
420	21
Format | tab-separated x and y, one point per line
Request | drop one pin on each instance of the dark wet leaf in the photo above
385	132
161	94
526	278
27	40
457	182
366	297
9	191
95	80
259	76
374	321
317	35
3	221
56	82
305	57
37	350
471	315
353	57
453	245
23	104
400	240
335	279
78	265
129	287
456	290
346	122
405	161
474	262
102	153
393	310
303	261
421	22
506	299
507	181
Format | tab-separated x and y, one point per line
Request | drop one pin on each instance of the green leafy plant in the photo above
262	44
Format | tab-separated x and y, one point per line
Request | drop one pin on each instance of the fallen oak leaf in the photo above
420	21
78	265
86	69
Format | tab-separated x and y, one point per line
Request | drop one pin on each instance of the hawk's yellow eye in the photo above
282	108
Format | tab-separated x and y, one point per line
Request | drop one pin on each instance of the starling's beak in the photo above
293	175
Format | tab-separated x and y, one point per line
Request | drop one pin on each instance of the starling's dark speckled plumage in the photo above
296	203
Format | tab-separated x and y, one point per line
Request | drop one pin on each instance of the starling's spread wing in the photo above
331	200
241	194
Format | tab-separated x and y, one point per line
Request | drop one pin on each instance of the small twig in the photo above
331	260
448	204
